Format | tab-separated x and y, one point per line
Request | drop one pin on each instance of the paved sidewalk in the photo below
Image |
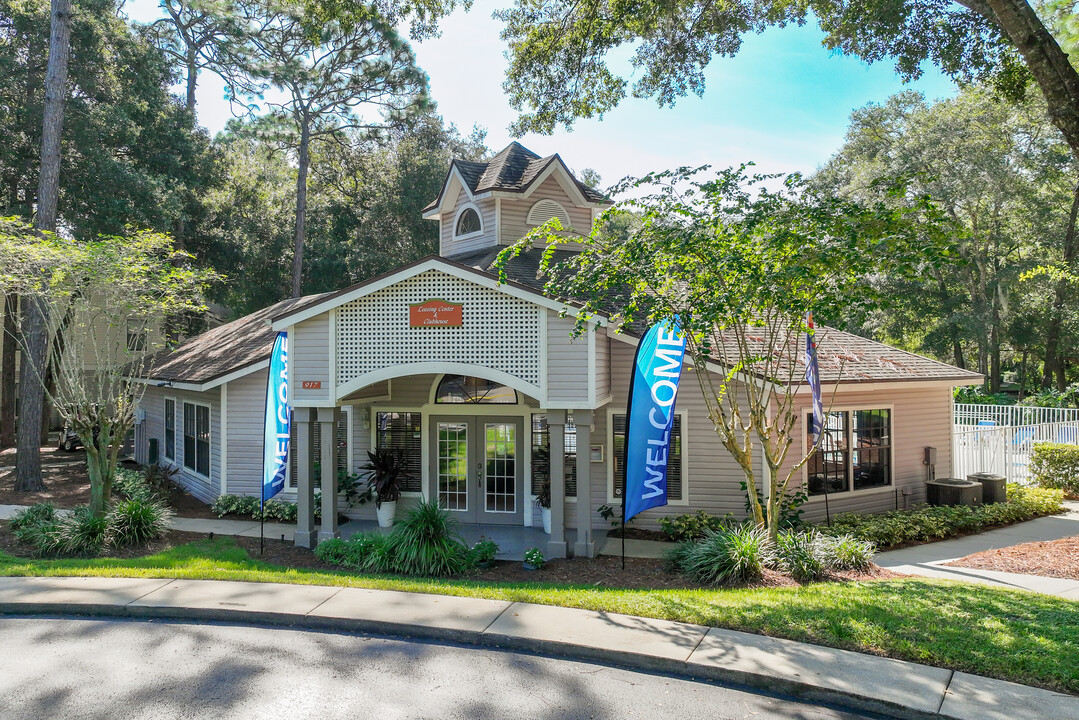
929	560
893	687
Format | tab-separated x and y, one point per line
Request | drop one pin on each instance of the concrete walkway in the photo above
896	688
929	560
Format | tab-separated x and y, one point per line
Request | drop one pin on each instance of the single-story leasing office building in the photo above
483	388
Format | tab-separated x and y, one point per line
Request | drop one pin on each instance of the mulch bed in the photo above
68	485
1053	558
640	573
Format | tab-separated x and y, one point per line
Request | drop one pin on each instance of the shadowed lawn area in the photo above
1013	635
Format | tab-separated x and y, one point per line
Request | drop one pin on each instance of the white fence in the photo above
1005	450
1011	415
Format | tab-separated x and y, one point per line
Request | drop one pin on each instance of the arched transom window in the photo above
466	389
468	223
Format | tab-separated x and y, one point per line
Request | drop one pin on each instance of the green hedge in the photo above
926	523
1056	466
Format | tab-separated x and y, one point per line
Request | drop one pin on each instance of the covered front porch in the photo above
486	466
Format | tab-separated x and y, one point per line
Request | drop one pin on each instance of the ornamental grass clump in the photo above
134	521
740	554
800	555
424	543
79	532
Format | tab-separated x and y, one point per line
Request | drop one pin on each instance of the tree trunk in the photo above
1049	65
35	310
31	396
301	206
1054	364
7	373
192	81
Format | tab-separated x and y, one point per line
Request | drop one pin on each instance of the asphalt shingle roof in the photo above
511	170
224	349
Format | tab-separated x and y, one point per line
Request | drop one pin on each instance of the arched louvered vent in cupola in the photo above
544	210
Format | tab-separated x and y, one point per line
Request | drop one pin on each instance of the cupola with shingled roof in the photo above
484	205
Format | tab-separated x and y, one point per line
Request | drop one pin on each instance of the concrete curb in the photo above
862	682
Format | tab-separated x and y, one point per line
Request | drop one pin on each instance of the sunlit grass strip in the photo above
1012	635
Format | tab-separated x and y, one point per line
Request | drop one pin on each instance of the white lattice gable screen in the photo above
498	331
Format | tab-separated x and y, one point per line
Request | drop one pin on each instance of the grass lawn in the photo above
1023	637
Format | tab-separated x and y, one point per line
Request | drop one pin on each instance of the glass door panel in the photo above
500	467
452	465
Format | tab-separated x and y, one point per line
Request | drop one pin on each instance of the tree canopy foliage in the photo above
1003	174
740	264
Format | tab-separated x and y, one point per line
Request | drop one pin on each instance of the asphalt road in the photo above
88	669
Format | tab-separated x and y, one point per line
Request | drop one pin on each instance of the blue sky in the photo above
783	102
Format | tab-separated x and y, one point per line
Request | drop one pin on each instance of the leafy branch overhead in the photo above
741	258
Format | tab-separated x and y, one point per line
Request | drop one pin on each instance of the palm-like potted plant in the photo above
544	500
385	473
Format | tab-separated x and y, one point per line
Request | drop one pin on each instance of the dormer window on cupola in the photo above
468	223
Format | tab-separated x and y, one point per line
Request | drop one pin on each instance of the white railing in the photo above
1005	450
1011	415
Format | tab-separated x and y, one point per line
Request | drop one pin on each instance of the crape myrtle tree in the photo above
109	299
325	73
740	264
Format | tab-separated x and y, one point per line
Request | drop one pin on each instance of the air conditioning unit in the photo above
994	487
953	491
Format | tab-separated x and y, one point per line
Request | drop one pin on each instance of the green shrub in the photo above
426	543
676	559
732	555
798	554
484	551
278	511
534	557
927	522
236	505
79	532
137	520
365	552
844	552
693	526
34	515
1056	466
132	485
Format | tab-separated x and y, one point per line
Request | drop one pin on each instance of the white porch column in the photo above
305	495
556	430
327	421
584	546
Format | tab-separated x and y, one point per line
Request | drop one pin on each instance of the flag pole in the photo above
262	522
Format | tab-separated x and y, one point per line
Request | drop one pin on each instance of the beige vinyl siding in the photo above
921	417
247	411
448	245
711	475
567	364
603	364
310	358
153	402
515	211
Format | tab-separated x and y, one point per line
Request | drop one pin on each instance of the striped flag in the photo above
813	379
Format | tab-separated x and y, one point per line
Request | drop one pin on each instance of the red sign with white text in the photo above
435	313
311	384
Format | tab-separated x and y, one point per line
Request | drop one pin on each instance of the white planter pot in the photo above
385	514
545	513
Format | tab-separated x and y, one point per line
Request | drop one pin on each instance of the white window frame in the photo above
457	218
889	488
684	416
193	468
424	435
164	428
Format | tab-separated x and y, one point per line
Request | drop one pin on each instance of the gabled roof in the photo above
224	350
514	170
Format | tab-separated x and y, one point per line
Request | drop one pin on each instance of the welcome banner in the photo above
276	432
650	415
